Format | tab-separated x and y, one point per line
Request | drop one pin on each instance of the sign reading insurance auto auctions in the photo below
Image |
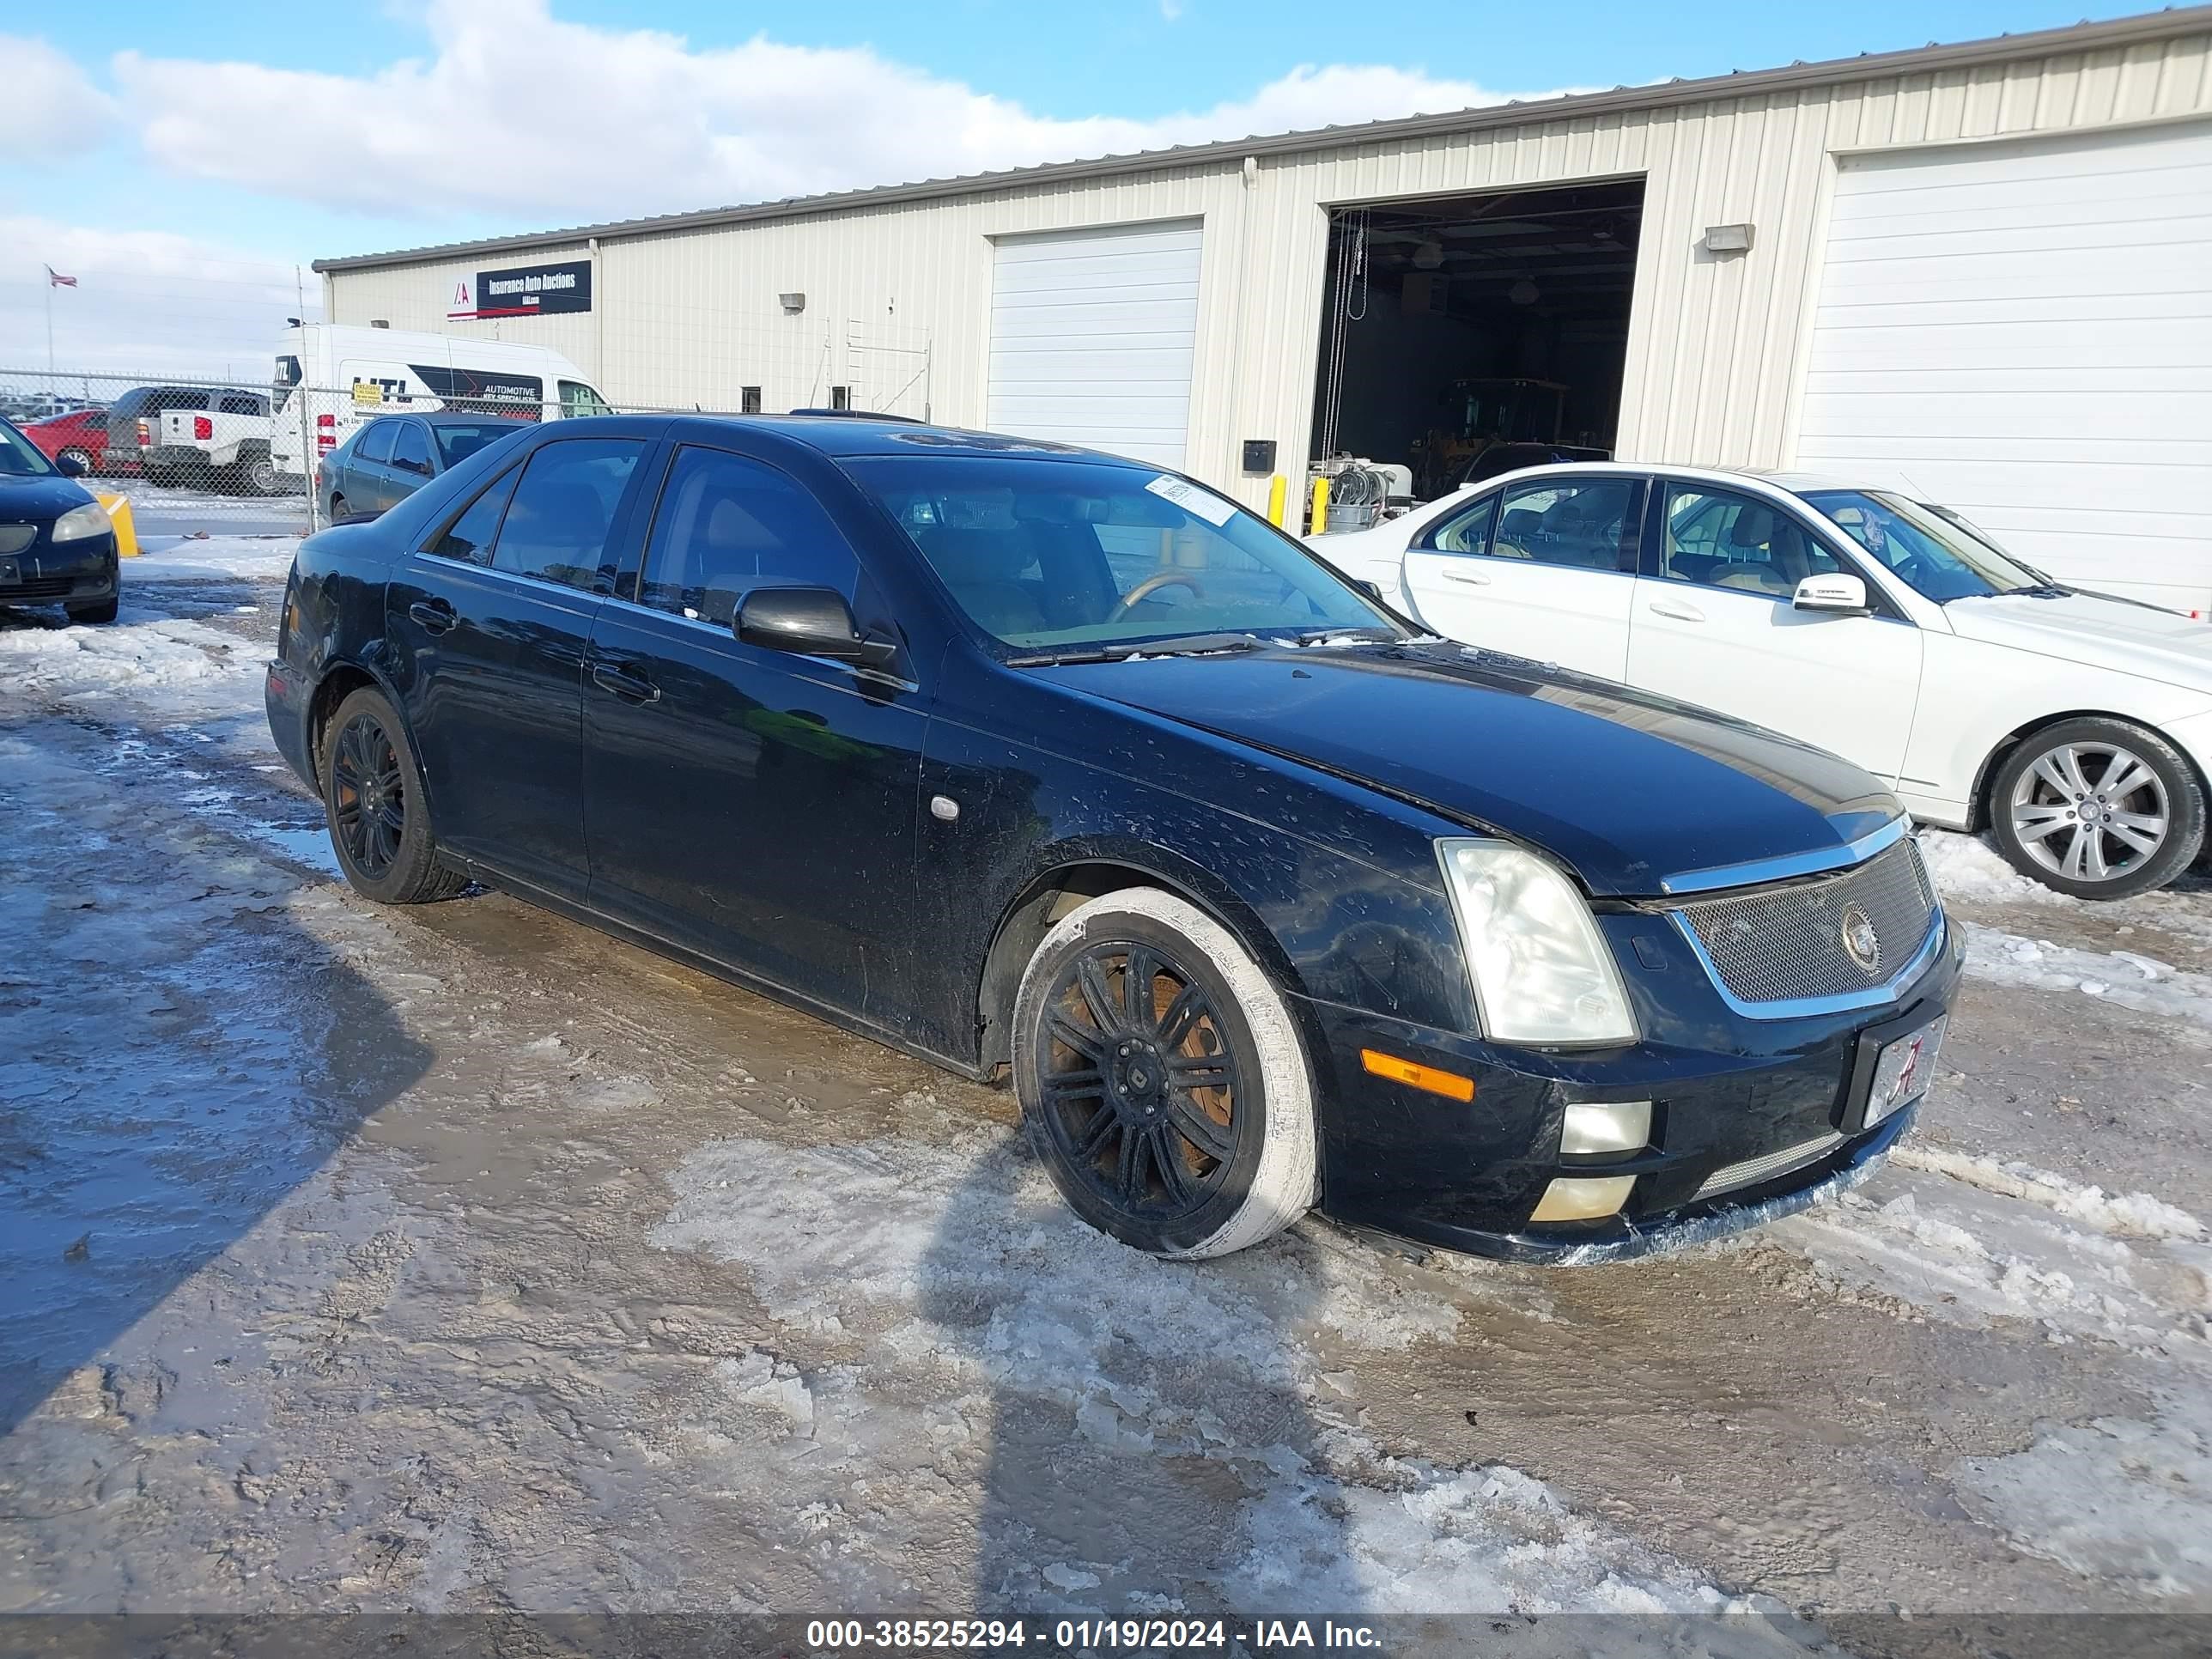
524	291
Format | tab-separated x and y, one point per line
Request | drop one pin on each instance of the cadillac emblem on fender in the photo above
1862	941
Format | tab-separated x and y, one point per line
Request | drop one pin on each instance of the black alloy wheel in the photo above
1140	1086
369	802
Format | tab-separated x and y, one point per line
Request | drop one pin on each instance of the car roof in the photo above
447	418
1788	484
844	436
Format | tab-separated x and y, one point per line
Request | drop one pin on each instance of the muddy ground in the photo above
459	1258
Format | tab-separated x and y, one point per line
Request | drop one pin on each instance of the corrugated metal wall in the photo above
1714	342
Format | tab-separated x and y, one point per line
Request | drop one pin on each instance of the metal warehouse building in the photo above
1983	272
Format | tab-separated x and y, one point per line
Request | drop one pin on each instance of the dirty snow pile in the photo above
145	655
979	1305
204	558
1968	867
2126	977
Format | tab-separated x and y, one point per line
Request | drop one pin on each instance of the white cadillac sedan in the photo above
2075	728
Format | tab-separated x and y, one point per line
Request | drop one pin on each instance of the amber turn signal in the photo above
1450	1085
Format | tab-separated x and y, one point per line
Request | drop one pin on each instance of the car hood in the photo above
1627	789
2089	628
36	499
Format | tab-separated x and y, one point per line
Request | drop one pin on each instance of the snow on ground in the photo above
200	558
2133	981
976	1283
1968	867
147	657
2113	1498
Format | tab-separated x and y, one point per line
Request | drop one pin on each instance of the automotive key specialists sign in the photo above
522	291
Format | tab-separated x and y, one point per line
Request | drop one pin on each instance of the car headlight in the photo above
1542	971
79	522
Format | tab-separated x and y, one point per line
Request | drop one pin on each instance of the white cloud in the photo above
516	114
51	109
146	303
1170	10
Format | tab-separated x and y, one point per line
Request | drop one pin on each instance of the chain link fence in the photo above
159	436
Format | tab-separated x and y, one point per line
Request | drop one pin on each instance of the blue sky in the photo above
193	152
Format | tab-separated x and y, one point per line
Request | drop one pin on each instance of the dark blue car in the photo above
1040	763
56	542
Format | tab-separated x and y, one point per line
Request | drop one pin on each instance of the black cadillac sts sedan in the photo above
1031	761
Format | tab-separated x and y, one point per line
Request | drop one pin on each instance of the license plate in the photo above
1903	1069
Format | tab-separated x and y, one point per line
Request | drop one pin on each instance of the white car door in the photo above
1544	568
1713	623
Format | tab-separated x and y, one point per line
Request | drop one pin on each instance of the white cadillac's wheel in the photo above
1162	1082
2097	808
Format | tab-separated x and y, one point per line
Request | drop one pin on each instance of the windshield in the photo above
458	443
1941	560
19	457
1070	553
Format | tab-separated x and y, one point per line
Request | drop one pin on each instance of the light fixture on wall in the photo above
792	302
1429	256
1523	292
1727	239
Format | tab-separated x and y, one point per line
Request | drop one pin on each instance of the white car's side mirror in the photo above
1843	595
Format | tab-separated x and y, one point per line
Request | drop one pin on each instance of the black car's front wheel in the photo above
1162	1082
373	796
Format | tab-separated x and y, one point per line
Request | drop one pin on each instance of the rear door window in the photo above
1580	524
376	443
468	537
558	527
410	448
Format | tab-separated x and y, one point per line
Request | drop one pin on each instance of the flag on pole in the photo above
55	279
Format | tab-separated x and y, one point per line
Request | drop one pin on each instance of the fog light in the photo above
1623	1126
1583	1197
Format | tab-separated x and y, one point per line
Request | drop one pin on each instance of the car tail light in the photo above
144	436
326	432
202	428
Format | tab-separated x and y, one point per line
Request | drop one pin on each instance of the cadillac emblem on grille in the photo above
1862	941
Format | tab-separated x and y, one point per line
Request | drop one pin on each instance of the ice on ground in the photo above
1968	1251
2113	1498
1968	867
2132	980
204	558
172	668
976	1293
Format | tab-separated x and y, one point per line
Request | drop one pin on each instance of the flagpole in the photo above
50	322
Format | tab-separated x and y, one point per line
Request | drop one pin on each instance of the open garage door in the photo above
1093	338
2023	333
1465	335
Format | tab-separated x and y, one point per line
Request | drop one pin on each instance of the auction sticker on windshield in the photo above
1191	499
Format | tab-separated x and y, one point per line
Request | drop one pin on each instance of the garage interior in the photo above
1453	323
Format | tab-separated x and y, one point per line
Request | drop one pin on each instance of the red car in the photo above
82	431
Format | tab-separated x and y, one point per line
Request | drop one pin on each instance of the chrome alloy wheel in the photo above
2090	812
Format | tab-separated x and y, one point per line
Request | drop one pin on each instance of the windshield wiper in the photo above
1312	636
2037	590
1195	645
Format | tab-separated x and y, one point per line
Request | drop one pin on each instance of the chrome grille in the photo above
1787	944
1752	1170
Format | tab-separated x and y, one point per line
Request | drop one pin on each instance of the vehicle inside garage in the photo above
1453	326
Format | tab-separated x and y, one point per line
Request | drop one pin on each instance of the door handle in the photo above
435	614
1678	608
624	682
1472	578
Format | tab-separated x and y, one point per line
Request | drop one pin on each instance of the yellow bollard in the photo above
1320	507
126	532
1278	489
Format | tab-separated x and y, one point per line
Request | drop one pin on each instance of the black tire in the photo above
1185	1168
373	802
338	509
103	610
83	456
2053	820
254	473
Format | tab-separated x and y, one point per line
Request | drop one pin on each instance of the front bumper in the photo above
1725	1090
83	571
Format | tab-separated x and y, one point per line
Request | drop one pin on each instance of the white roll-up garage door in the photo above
2023	332
1092	336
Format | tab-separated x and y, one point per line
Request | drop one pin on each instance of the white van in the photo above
350	375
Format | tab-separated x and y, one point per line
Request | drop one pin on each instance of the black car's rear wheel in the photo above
1162	1081
373	796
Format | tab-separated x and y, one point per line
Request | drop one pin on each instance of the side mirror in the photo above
1839	595
70	466
809	621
